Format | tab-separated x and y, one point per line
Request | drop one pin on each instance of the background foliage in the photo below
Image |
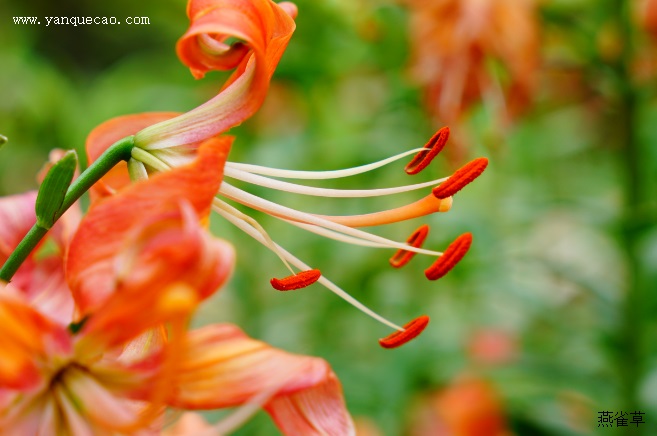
564	219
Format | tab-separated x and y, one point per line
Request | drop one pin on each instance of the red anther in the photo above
402	257
463	176
431	150
297	281
411	331
451	256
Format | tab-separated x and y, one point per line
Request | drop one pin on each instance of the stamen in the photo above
297	281
451	256
286	213
246	228
223	208
267	182
402	257
318	175
148	159
430	150
411	331
462	177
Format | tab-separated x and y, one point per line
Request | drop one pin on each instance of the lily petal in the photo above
264	29
168	269
222	367
16	217
90	267
107	134
43	283
27	338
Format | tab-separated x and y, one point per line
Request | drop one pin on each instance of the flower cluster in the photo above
455	42
96	335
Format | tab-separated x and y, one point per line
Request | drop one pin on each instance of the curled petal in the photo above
107	134
222	367
319	410
263	29
106	228
263	26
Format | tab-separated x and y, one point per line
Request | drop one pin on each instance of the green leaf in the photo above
53	189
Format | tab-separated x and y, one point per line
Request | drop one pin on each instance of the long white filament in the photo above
322	192
217	203
287	213
246	228
321	226
320	175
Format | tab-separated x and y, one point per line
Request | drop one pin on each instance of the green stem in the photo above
632	333
120	150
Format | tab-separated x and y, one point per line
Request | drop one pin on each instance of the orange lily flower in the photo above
265	28
139	261
454	42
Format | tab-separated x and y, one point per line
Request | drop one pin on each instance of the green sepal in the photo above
53	189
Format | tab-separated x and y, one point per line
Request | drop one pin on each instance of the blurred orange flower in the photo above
458	47
138	266
492	346
646	14
468	407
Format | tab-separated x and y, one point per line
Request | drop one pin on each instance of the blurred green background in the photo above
562	268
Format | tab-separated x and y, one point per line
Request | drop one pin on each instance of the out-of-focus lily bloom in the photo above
41	277
141	261
265	29
646	15
454	43
468	407
492	347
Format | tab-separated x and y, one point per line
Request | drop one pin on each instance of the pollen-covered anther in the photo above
451	256
431	149
402	257
462	177
296	281
410	332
